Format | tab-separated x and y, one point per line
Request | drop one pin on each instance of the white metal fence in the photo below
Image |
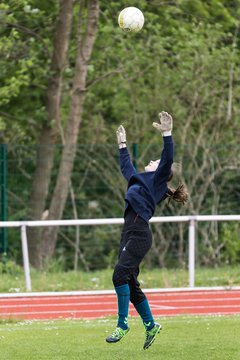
190	219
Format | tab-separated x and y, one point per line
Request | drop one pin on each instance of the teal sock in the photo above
144	311
123	296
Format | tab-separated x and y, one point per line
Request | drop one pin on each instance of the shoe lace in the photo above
149	332
117	332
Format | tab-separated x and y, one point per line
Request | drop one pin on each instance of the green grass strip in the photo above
102	280
182	338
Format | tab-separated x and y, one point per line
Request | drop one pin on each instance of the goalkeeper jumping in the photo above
145	191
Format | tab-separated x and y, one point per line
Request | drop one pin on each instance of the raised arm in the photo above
127	167
165	126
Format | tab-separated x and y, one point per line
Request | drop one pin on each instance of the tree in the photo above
50	128
43	246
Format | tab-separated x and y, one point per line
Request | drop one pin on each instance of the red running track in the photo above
85	306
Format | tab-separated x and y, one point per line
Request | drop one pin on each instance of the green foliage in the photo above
25	55
9	267
230	234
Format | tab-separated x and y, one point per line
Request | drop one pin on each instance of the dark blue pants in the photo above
136	240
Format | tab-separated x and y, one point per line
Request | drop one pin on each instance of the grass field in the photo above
101	280
182	338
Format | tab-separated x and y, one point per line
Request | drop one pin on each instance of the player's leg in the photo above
120	280
133	247
140	302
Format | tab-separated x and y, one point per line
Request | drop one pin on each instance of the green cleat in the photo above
150	335
117	335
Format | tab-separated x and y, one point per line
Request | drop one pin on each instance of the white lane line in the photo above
105	311
162	307
58	312
164	291
107	299
53	298
215	313
219	293
58	305
195	300
103	296
100	297
205	307
11	303
153	304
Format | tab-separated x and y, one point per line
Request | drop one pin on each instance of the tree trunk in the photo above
84	50
45	153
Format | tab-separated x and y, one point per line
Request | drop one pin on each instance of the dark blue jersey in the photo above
147	189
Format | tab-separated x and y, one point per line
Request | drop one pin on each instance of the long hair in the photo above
179	194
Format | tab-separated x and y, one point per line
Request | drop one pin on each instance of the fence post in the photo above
191	252
25	258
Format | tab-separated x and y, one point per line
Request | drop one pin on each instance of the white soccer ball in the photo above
131	19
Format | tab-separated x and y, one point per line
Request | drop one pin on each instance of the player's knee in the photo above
120	276
137	297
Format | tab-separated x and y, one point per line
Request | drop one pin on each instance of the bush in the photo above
10	267
230	238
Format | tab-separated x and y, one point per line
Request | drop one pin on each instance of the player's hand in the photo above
165	122
121	137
